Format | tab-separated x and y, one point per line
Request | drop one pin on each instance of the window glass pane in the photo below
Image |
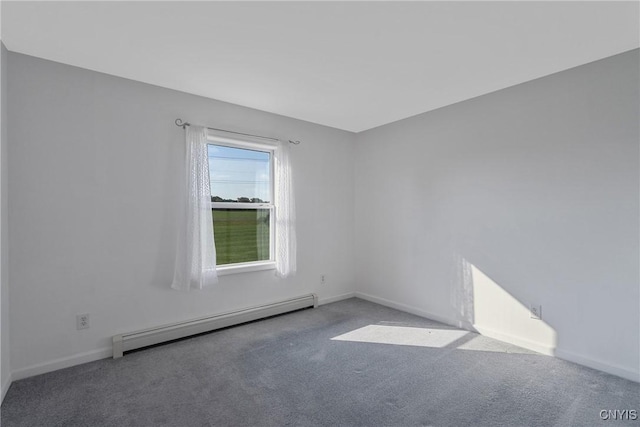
239	175
241	235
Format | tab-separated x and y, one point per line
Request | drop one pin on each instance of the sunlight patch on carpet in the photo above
480	343
403	335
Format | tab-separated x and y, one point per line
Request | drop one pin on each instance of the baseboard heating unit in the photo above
160	334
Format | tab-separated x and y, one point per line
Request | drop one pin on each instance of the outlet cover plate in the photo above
82	321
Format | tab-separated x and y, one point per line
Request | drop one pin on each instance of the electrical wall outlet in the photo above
82	321
323	279
536	311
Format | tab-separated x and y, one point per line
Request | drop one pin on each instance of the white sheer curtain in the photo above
196	253
285	214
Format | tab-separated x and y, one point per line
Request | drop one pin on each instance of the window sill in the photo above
245	267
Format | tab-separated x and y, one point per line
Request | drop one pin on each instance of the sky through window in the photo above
237	172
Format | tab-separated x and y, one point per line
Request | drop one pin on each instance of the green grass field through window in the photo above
241	235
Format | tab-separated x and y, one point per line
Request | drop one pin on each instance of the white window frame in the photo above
245	267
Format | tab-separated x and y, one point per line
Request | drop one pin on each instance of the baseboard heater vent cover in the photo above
160	334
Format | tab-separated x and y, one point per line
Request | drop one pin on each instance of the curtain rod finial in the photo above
181	124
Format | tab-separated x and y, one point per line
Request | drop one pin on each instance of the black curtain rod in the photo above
183	125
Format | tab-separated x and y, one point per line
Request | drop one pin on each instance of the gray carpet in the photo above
288	371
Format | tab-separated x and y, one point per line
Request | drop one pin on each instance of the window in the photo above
241	176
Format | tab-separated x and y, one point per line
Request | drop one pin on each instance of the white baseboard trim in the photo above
64	362
329	300
511	339
520	342
409	309
599	365
104	353
5	388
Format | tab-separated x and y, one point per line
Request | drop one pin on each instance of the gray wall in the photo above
95	166
5	365
529	195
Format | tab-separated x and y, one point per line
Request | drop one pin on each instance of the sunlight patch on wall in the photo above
499	314
403	335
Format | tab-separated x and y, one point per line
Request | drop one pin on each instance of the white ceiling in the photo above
350	65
